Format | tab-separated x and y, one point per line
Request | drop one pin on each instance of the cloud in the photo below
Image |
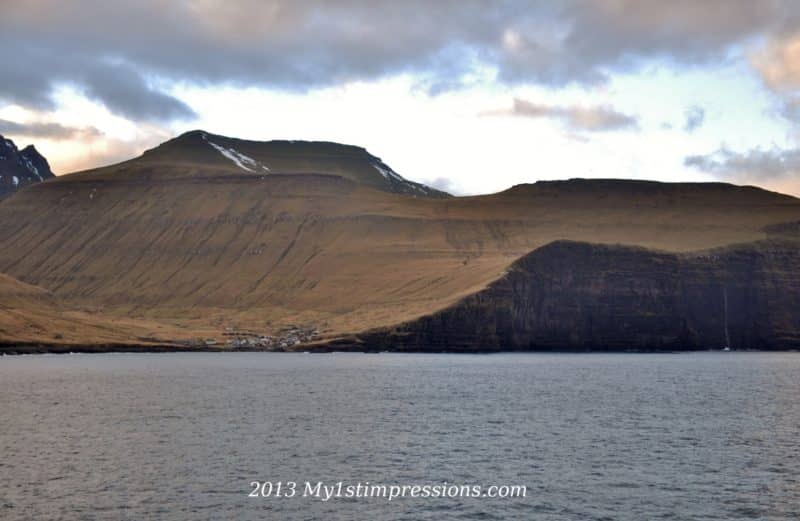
754	166
444	184
124	54
584	42
774	169
695	117
31	75
779	63
46	130
589	118
97	150
101	153
791	108
125	92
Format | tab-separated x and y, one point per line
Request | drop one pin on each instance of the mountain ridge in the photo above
201	148
194	245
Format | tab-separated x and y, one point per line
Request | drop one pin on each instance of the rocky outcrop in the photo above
580	296
19	168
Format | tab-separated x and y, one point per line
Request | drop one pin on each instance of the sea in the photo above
185	436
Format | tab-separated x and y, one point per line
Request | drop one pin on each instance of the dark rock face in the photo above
19	168
579	296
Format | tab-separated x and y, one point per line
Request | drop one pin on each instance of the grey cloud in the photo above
46	130
754	166
117	52
585	41
31	74
695	117
590	118
124	91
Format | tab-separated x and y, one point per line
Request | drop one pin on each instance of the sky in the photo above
470	96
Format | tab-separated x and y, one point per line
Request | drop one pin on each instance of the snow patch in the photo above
388	173
393	177
15	180
31	168
242	161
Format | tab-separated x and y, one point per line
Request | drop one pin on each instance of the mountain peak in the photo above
19	168
206	150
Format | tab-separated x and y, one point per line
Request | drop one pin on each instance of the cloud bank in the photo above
125	54
54	131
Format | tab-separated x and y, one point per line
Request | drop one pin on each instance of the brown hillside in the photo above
179	238
32	315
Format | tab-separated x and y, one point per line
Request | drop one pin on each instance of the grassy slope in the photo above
188	248
32	315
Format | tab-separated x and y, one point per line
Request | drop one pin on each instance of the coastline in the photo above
12	349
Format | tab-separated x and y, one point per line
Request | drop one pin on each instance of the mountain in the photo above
183	243
198	153
19	168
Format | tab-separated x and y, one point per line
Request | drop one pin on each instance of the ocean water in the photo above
594	436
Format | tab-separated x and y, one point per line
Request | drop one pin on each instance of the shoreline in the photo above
9	349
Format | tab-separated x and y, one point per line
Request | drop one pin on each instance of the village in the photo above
286	338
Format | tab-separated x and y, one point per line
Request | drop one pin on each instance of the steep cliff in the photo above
574	295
